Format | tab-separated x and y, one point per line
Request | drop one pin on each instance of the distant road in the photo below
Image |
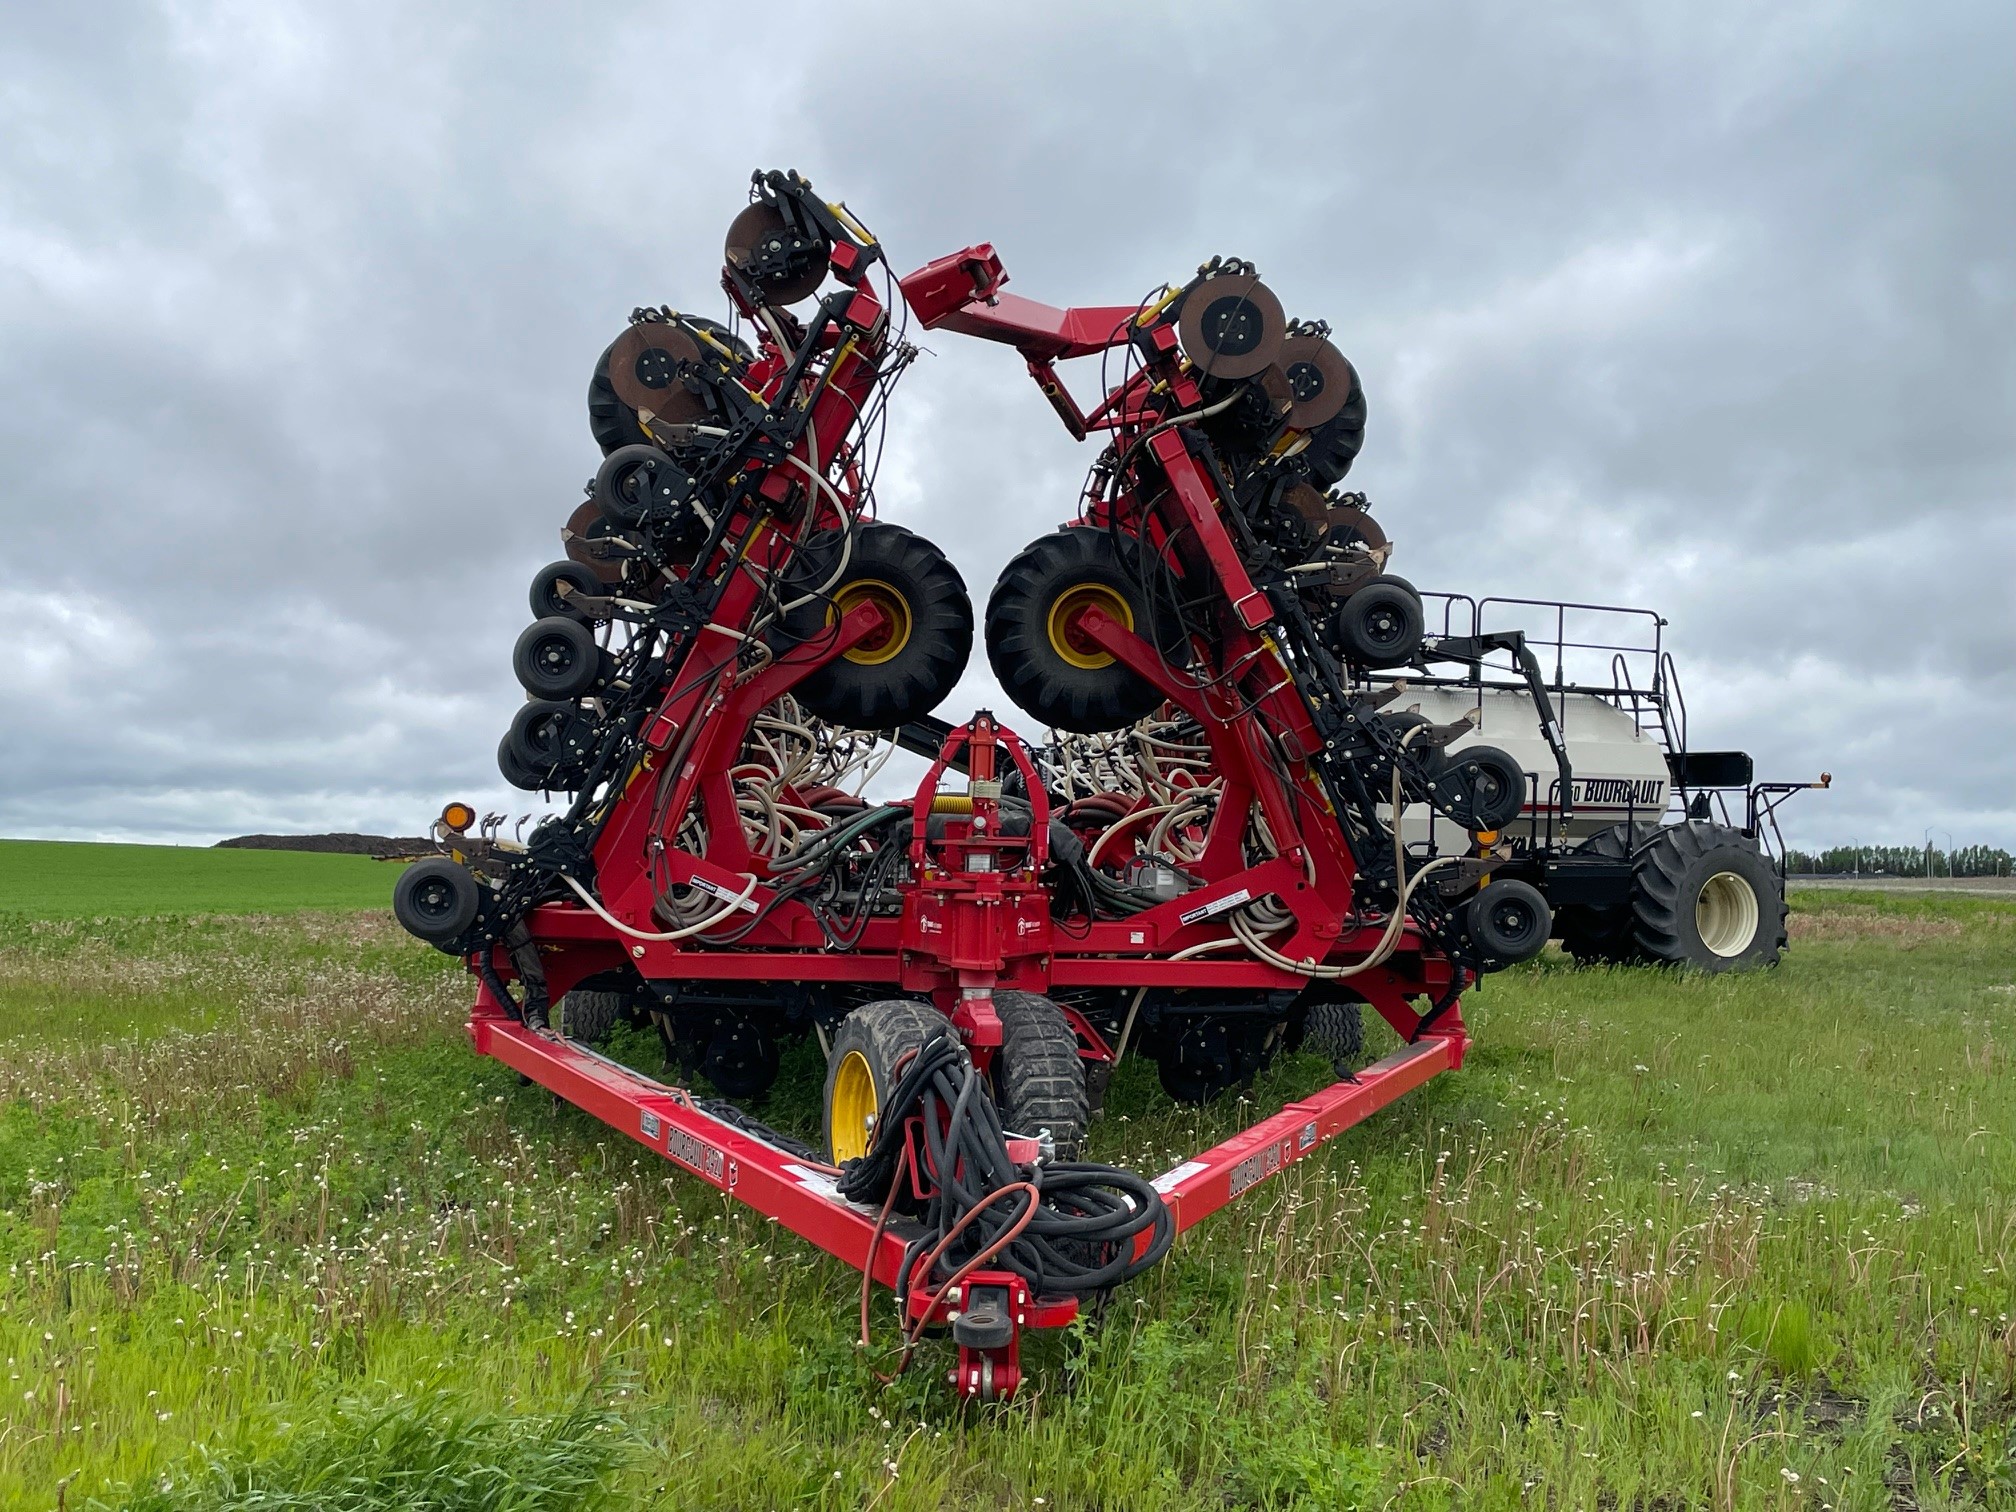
1987	887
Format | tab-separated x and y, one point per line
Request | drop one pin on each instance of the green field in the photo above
60	879
1663	1243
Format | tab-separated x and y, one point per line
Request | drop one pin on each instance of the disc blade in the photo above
1231	326
644	371
784	263
1319	377
586	540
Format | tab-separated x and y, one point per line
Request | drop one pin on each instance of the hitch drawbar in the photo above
989	1310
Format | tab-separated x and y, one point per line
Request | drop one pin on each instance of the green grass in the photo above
56	879
267	1230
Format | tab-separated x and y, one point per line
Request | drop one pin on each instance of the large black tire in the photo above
1039	1079
1705	897
869	1044
588	1016
1604	936
436	900
1335	444
1056	675
903	671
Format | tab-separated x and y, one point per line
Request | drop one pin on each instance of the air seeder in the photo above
1203	862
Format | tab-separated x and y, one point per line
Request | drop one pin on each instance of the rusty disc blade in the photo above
1320	379
585	538
1231	326
644	371
1348	524
1310	504
784	263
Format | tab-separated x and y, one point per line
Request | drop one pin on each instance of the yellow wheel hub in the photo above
1067	635
852	1116
887	641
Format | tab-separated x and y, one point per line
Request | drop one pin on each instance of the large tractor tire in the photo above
1039	1079
1705	897
1603	936
862	1070
1045	662
903	670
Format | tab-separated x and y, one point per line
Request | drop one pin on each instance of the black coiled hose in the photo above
1067	1228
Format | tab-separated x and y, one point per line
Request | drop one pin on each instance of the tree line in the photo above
1904	861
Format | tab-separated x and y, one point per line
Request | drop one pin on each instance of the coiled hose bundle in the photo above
1065	1227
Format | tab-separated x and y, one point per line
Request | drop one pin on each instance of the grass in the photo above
269	1231
59	879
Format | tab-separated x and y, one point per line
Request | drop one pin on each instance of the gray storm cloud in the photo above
1712	309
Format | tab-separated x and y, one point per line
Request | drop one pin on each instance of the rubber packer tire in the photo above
589	1016
545	595
1039	1077
436	900
557	658
1336	1031
1674	868
1086	700
1380	625
883	1032
1603	936
914	681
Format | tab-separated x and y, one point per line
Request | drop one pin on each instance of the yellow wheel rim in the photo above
887	642
852	1115
1069	640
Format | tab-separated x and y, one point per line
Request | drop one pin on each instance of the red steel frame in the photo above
976	915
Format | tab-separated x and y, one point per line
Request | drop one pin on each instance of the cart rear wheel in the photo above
862	1070
1601	935
1705	897
1039	1078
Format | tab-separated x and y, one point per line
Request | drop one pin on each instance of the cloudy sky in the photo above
1710	308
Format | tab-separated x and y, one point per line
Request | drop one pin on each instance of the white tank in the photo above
1620	773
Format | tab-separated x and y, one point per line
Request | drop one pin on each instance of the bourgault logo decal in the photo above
1620	792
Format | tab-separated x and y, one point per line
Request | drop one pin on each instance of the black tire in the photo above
1380	625
1603	935
437	900
903	671
1481	787
612	422
1066	683
1428	759
546	598
881	1034
556	658
1335	444
550	739
1508	921
517	772
588	1016
1336	1031
635	482
1039	1078
1705	897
